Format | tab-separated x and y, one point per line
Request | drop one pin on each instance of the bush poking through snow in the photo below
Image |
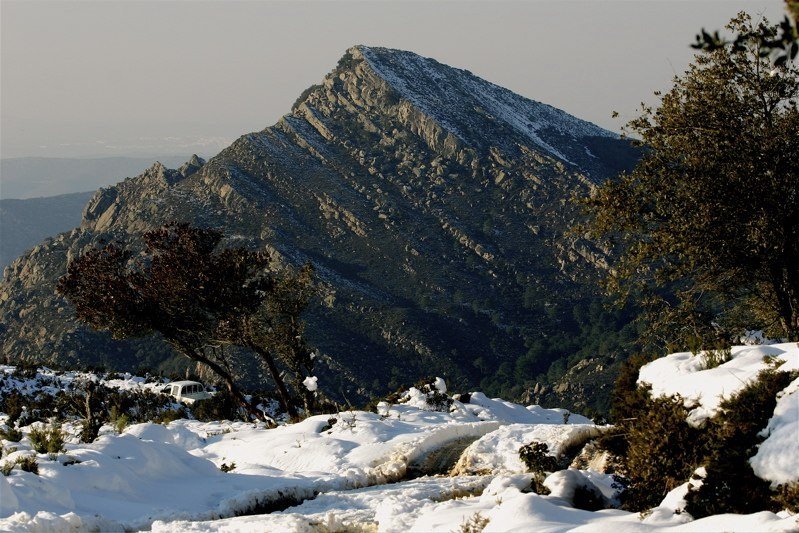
428	394
25	370
787	496
121	422
47	441
224	467
656	449
170	415
733	435
537	460
474	524
11	403
11	434
588	498
222	406
26	463
715	358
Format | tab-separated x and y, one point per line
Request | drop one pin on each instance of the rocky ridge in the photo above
434	205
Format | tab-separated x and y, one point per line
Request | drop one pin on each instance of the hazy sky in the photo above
154	78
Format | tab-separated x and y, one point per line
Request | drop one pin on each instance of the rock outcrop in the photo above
434	205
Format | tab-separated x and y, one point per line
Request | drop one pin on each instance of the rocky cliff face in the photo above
433	204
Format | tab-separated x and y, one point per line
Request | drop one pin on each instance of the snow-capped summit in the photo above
479	112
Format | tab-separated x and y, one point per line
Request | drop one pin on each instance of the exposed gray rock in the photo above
429	200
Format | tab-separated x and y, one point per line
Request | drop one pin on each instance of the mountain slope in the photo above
24	223
432	203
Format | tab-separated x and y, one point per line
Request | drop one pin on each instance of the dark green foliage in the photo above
437	400
135	406
628	397
11	434
731	486
539	462
11	404
170	415
25	370
657	450
536	458
779	44
717	357
200	299
576	331
588	498
224	467
221	406
277	331
47	441
707	225
28	463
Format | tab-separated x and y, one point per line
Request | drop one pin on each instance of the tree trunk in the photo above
285	399
194	355
786	289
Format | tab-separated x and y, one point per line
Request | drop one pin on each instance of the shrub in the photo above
47	441
537	460
121	423
11	434
716	357
731	485
588	498
436	400
25	370
474	524
25	463
170	415
90	430
12	403
628	397
38	439
28	463
787	497
661	450
221	406
224	467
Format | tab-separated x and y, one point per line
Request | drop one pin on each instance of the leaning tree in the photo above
184	287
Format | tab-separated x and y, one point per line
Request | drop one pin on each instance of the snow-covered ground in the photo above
359	470
686	374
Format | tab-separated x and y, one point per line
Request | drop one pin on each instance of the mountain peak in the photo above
478	113
432	203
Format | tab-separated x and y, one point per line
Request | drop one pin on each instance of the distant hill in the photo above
25	223
31	177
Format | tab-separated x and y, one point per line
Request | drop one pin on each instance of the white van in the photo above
187	392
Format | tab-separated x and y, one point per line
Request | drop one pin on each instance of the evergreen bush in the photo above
222	406
47	441
656	449
537	460
11	434
733	436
